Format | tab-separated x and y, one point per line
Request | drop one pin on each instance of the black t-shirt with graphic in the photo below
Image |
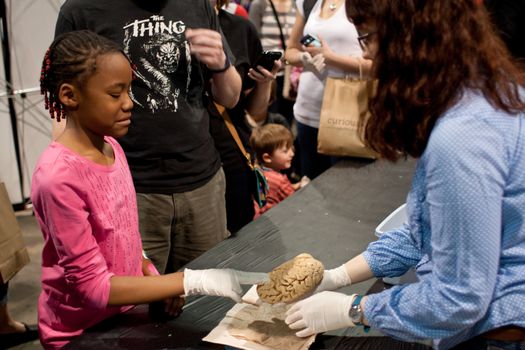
245	45
168	146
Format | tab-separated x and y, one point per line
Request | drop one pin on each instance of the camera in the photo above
267	59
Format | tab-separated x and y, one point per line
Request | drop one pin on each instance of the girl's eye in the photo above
115	95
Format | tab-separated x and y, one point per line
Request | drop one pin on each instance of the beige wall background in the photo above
31	26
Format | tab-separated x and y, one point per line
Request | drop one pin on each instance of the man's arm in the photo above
226	87
259	96
206	45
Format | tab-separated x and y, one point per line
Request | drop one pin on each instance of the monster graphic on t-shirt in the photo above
160	52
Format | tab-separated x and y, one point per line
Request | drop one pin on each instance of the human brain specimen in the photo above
292	280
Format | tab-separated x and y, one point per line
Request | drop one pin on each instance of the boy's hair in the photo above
71	58
268	138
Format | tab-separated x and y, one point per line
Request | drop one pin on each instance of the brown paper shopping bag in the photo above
345	103
13	252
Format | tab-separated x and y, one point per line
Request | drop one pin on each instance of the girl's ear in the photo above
267	159
68	95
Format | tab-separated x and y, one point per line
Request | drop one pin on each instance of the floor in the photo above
24	288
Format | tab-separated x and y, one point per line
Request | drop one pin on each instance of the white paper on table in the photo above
221	335
251	296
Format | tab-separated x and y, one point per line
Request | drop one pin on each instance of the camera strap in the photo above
229	124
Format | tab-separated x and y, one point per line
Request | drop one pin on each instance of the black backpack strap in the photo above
308	5
281	35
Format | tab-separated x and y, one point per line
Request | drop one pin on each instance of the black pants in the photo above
480	343
282	105
239	201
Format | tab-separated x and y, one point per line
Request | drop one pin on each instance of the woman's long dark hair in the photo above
428	53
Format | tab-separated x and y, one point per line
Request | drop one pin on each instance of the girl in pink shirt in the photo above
84	200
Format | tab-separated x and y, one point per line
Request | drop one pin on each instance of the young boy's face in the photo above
281	158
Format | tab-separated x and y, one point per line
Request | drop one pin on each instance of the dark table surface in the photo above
333	218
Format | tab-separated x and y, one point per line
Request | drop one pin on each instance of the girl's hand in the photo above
262	75
173	306
220	282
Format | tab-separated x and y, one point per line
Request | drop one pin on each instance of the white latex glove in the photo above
220	282
334	279
314	64
319	313
305	180
318	62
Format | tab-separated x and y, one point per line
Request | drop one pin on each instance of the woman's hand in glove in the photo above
319	313
334	279
220	282
314	64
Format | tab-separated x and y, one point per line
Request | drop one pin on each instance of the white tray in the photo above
395	220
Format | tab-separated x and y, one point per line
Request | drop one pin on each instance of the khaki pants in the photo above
177	228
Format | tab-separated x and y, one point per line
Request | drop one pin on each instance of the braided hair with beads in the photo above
71	58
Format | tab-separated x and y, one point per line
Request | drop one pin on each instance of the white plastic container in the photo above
395	220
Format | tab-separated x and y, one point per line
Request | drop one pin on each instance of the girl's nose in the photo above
128	103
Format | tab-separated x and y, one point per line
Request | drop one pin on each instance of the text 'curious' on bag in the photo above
345	105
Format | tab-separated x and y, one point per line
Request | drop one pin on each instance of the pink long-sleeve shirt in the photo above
88	216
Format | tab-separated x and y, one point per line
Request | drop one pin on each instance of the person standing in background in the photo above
13	258
336	54
265	18
178	51
245	3
256	89
235	9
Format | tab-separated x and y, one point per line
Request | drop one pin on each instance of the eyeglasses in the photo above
364	40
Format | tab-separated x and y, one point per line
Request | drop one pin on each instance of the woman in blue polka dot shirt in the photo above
450	96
